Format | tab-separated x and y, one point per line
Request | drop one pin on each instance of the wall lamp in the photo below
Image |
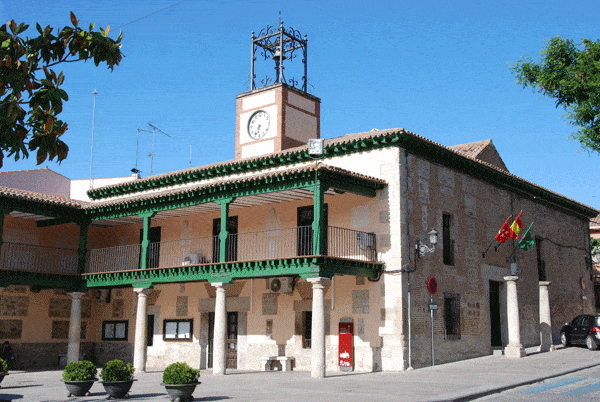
422	249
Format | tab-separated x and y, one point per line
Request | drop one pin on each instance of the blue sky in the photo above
439	69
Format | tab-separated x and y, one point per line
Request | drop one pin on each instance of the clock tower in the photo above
276	116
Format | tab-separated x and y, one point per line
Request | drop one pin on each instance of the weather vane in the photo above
279	45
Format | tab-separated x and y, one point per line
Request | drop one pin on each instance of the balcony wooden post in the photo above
319	223
81	251
145	242
224	203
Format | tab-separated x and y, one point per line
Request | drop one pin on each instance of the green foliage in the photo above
180	373
79	371
116	370
3	366
570	74
30	93
594	244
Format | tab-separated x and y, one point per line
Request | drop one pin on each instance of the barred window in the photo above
452	316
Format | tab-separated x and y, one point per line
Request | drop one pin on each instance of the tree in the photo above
30	93
570	74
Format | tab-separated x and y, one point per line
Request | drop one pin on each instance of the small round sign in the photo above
432	285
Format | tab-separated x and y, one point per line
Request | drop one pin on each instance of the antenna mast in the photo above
92	146
151	155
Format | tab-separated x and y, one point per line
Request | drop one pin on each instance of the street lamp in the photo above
422	249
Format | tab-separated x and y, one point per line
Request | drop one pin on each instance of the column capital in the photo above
142	291
76	295
545	283
511	278
318	281
219	285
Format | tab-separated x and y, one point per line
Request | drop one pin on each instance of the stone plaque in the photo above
181	309
59	308
60	330
269	304
16	306
11	329
118	308
360	301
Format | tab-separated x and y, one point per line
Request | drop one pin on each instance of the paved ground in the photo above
460	381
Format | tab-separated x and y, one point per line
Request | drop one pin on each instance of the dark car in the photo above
583	330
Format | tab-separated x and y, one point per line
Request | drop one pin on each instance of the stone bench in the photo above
266	363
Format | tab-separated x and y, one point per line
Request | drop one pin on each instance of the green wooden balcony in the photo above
267	245
281	252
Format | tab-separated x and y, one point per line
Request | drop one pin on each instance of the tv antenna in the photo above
154	130
135	170
92	146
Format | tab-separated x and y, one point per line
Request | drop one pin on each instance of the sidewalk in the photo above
460	381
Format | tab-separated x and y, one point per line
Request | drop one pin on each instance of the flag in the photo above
516	226
505	232
526	241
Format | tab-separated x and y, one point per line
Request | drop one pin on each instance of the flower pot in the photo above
181	392
117	389
79	388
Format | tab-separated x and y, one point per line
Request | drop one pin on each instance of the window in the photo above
114	330
452	316
448	243
177	330
540	261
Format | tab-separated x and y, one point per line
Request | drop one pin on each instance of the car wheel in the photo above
564	339
591	343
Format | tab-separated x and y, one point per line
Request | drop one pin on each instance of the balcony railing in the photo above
31	258
250	246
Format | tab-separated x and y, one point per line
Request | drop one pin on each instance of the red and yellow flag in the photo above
516	226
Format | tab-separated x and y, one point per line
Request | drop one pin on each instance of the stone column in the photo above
317	358
514	349
220	330
141	330
546	344
74	328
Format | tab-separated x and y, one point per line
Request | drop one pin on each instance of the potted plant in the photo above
117	378
79	377
180	380
3	369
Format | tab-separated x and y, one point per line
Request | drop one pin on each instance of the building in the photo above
323	261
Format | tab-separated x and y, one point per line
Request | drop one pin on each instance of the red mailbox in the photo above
346	339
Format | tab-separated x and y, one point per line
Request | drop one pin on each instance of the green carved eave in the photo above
306	267
410	142
71	283
237	167
222	192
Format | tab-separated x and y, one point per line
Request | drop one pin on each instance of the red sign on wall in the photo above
346	336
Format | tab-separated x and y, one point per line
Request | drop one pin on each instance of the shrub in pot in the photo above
180	380
3	369
79	377
117	378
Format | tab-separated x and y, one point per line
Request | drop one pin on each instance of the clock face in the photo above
258	125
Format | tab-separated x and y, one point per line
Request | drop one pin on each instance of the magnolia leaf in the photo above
74	19
41	156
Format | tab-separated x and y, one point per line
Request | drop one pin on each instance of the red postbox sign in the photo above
346	339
